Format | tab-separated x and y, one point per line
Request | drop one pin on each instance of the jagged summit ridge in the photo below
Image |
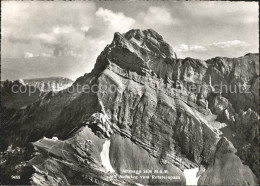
150	40
137	51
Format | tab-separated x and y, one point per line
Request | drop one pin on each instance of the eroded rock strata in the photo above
225	165
158	112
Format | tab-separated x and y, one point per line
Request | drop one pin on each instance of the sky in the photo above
82	29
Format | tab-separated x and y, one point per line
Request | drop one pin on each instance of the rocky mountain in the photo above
141	116
22	92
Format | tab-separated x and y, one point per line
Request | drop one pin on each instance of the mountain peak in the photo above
148	39
138	51
137	33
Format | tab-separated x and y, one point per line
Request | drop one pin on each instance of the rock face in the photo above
159	113
227	168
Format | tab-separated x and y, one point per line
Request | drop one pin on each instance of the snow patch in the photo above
191	176
54	138
105	156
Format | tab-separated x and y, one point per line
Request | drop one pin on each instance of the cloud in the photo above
32	55
181	48
85	28
233	48
45	25
115	21
45	54
157	16
225	12
229	44
17	39
220	45
63	40
186	48
77	34
53	37
28	55
30	14
198	48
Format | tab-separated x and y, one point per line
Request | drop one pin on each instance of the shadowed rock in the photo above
227	168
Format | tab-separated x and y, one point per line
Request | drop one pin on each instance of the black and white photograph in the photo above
129	92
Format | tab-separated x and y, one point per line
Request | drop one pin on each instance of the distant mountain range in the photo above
22	92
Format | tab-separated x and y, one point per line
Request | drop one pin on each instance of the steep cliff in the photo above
159	113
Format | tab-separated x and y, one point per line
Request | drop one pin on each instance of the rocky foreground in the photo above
157	113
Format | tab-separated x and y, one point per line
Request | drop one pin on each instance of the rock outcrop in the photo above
158	111
227	168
